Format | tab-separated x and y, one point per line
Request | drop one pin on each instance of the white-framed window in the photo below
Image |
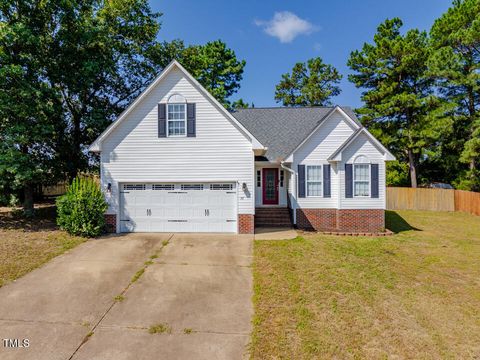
176	119
314	180
361	177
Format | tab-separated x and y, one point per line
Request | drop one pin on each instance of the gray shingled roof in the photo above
282	129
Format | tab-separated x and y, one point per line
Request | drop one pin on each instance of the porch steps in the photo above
272	217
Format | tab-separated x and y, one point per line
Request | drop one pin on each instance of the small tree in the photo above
81	210
310	84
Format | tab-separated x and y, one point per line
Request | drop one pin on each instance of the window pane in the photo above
314	188
362	173
176	128
314	173
361	188
176	111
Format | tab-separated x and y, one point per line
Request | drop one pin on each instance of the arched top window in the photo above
176	99
361	176
361	159
176	115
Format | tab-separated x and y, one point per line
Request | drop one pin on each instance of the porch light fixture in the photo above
244	186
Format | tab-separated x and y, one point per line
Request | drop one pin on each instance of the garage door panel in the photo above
179	208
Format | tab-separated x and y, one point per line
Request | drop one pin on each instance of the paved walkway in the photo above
198	290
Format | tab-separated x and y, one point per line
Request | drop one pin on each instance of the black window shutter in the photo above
326	181
348	181
374	180
301	181
162	120
191	126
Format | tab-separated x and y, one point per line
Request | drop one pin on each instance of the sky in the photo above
273	35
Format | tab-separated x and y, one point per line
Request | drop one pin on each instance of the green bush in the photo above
81	210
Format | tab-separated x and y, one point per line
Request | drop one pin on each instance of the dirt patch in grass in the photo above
412	295
26	244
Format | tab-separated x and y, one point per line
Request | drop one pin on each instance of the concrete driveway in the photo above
198	291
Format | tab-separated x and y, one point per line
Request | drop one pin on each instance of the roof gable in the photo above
96	145
284	129
337	154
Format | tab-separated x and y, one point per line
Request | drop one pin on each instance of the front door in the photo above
270	186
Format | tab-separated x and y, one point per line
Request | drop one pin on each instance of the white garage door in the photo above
175	207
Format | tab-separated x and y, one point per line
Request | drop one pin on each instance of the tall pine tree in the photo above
455	64
399	104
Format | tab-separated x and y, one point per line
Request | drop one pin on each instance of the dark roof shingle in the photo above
282	129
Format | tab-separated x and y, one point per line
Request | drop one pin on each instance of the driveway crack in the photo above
136	276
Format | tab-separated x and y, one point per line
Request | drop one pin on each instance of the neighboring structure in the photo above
177	161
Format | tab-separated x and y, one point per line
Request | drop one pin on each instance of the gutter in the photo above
294	205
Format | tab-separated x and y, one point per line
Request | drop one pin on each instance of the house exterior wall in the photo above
362	146
337	213
316	150
282	190
133	152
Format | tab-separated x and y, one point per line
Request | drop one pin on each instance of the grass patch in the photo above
415	294
137	275
26	244
187	331
119	298
147	263
160	329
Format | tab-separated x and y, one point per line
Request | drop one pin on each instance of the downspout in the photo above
294	205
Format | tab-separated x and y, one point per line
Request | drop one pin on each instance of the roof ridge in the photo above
287	107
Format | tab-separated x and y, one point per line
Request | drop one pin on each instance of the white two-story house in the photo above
177	161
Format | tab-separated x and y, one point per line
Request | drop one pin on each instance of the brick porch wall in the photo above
345	220
246	223
365	220
317	219
111	221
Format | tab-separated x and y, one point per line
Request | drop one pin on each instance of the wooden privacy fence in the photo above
433	199
467	201
61	187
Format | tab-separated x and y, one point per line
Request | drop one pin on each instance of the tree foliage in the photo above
455	64
68	68
310	84
400	106
213	64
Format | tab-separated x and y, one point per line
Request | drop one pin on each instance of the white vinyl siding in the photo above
220	152
315	151
313	180
362	146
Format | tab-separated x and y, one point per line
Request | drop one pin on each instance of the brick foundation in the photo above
111	221
246	223
317	219
344	220
365	220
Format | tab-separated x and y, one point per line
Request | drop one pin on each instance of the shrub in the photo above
81	210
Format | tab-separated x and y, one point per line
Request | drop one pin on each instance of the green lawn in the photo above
415	294
28	244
